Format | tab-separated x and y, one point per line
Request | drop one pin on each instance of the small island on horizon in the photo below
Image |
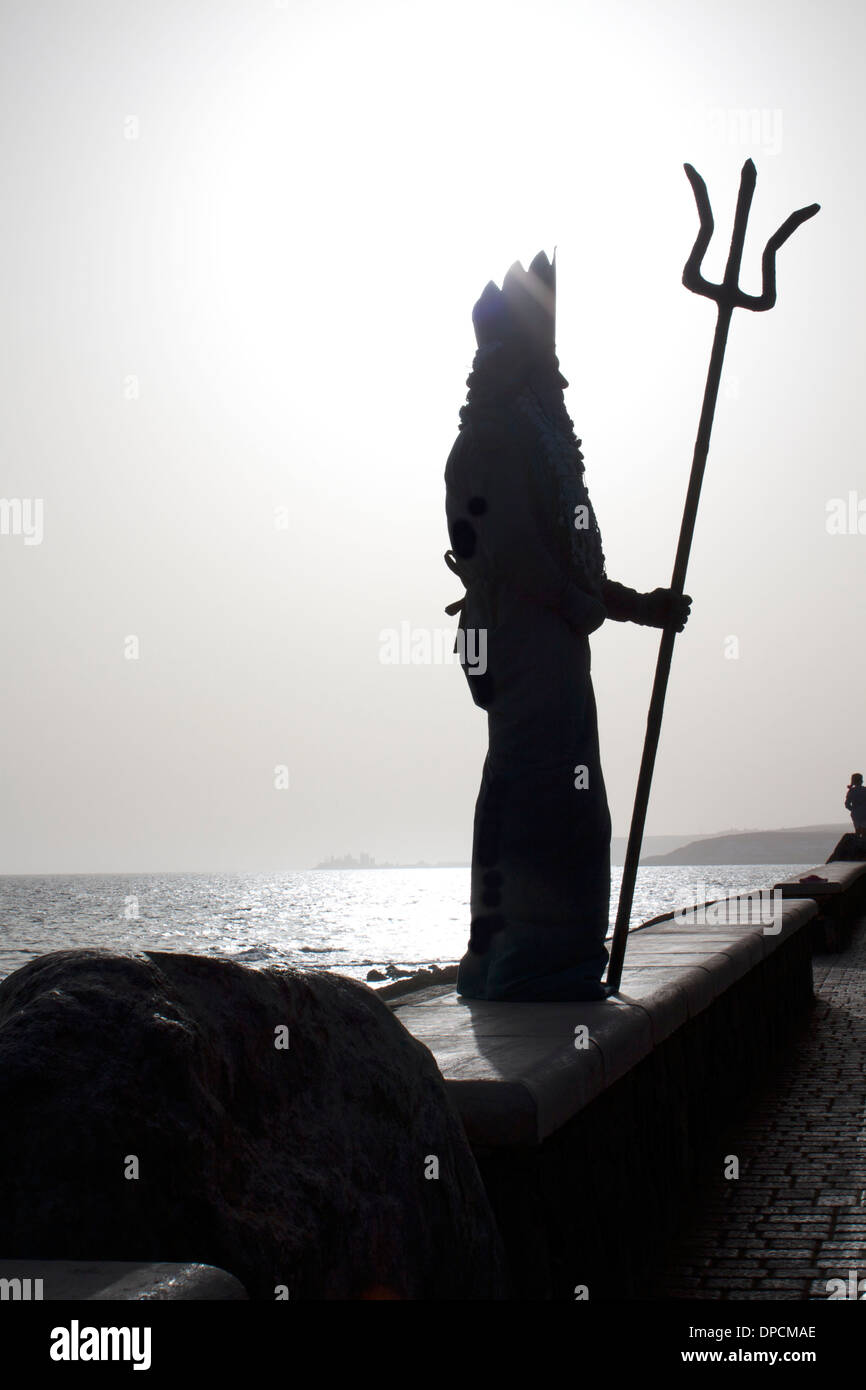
366	861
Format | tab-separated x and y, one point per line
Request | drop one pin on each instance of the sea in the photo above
351	921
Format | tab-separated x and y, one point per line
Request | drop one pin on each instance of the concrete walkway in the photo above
518	1072
796	1216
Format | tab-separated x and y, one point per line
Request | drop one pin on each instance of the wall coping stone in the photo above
513	1070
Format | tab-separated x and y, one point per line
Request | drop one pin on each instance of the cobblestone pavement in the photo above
796	1216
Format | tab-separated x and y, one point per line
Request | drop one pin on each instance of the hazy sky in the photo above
241	242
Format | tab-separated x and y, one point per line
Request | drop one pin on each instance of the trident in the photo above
728	297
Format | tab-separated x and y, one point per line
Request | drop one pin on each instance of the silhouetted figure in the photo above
526	544
855	802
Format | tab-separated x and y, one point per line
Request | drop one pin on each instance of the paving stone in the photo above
797	1214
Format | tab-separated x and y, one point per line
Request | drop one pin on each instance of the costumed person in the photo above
855	802
526	544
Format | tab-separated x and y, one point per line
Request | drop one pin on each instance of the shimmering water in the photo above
344	920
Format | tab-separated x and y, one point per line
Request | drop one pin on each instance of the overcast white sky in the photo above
241	242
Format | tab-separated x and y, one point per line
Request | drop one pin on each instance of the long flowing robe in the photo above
540	884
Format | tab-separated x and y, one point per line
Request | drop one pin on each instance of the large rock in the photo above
305	1167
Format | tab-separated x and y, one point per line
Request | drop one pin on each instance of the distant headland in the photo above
807	844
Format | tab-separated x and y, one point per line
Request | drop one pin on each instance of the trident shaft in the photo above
728	297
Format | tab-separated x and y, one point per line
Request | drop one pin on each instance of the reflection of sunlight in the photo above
349	920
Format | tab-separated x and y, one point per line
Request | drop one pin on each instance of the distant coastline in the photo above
808	844
366	861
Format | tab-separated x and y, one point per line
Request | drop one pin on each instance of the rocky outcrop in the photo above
281	1125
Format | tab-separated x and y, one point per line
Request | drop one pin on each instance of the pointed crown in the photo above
523	312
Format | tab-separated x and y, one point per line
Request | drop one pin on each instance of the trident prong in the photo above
728	296
729	292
